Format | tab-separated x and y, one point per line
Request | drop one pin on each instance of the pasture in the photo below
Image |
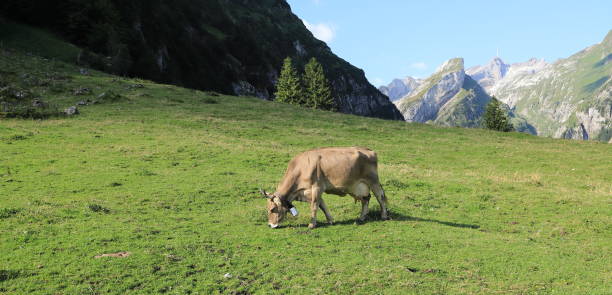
171	175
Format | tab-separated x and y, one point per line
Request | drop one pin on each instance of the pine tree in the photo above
289	88
318	90
495	118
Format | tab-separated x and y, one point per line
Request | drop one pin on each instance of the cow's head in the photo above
277	209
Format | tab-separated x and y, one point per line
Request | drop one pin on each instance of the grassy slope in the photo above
473	211
25	38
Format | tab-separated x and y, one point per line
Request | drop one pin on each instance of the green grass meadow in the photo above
171	175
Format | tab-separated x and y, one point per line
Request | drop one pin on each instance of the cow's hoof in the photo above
312	226
331	222
385	218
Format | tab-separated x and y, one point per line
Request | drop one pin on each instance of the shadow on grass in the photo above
6	275
400	217
374	216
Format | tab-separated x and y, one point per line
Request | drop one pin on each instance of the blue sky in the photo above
397	38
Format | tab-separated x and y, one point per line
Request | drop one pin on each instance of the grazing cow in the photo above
338	171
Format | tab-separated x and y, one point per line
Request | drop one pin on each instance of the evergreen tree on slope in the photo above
318	90
495	118
288	87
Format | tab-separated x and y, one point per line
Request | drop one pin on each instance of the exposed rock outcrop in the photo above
71	111
370	102
579	133
425	102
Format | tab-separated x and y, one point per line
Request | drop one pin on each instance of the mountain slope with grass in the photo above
232	47
571	98
156	191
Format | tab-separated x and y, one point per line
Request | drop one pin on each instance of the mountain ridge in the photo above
399	88
488	75
448	97
570	98
232	47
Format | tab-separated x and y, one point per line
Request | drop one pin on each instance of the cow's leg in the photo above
382	200
365	201
323	207
315	196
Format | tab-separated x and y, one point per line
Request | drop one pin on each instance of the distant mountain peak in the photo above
488	75
425	103
399	88
608	40
451	65
496	60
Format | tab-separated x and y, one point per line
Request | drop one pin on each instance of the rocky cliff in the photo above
448	97
425	102
233	47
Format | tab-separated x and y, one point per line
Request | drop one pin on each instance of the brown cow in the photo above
338	171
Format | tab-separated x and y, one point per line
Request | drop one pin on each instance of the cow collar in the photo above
284	201
287	204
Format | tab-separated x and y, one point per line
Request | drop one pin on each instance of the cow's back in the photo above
339	167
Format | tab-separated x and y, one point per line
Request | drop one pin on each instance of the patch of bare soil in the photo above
118	254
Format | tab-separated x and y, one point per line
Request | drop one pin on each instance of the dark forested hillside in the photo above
230	46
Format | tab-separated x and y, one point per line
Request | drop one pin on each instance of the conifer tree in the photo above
289	88
318	89
495	118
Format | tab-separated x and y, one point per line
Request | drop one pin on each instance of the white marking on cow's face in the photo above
273	225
